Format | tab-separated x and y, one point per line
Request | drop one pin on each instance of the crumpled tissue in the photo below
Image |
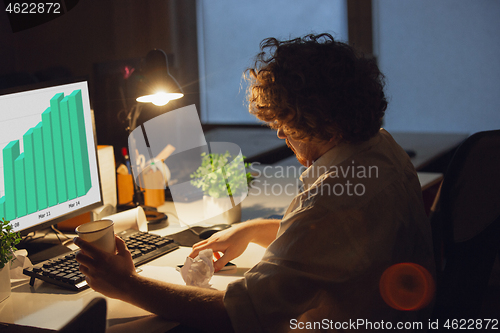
198	271
20	262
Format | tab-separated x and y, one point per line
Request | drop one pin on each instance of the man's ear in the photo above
335	139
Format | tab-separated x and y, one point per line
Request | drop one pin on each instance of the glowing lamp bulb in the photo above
160	98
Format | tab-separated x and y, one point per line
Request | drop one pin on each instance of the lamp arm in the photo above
173	78
133	115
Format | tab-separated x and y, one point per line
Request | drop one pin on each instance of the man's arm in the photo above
114	276
192	306
233	241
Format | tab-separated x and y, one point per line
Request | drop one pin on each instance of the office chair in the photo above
92	319
466	226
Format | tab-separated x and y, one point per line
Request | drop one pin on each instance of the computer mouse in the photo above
209	231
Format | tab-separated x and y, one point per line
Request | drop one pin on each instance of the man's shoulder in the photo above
380	166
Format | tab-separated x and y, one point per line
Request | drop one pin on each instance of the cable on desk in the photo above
59	232
180	221
29	238
32	236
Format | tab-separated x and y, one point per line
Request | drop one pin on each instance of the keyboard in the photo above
63	270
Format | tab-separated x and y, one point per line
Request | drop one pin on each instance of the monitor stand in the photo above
43	249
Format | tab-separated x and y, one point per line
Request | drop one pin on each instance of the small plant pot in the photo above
5	282
221	209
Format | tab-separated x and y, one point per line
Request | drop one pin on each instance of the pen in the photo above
127	159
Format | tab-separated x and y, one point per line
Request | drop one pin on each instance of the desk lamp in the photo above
156	85
159	86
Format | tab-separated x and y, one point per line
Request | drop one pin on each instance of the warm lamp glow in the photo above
157	85
160	98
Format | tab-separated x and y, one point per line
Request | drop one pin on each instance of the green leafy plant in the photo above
220	175
8	242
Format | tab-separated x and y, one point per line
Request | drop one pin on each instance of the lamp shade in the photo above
158	86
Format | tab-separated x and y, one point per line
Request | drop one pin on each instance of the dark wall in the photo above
95	39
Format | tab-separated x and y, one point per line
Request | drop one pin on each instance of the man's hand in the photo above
232	242
105	272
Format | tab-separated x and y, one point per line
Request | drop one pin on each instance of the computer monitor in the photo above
48	164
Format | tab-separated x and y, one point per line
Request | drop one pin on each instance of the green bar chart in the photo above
53	165
57	144
40	167
10	153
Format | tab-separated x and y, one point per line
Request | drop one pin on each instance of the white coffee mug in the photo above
99	233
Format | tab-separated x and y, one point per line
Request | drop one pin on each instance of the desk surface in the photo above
428	146
51	307
48	306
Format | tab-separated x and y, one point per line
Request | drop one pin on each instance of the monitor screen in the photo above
48	165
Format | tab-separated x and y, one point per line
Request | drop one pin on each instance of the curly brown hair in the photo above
315	87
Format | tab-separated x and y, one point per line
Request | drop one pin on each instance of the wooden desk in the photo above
258	144
49	306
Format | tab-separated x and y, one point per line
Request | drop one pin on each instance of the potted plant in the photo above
8	242
224	182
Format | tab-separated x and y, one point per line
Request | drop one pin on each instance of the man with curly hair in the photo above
360	212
